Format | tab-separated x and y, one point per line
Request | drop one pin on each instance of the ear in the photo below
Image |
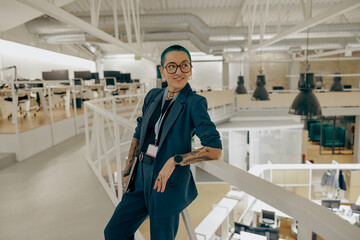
162	72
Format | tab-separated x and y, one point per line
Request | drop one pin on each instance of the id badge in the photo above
152	150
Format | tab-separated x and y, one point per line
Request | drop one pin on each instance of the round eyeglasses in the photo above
171	68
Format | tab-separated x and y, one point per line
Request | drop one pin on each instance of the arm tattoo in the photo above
133	152
202	154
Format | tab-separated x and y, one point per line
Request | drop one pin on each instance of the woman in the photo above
163	184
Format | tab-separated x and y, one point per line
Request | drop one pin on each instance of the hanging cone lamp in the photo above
306	103
240	89
260	92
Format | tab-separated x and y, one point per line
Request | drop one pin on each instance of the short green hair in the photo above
174	48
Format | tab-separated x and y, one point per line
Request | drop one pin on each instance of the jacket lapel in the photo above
149	112
174	113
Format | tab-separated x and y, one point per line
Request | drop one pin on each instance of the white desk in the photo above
215	218
251	236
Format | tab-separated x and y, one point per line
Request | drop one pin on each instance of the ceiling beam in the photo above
328	53
331	12
116	22
303	8
63	16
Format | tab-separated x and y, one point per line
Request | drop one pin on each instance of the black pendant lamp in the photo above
260	92
306	103
337	86
240	87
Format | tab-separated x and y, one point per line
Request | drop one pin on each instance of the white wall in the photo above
234	73
31	61
206	74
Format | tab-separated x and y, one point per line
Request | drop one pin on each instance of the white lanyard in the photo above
162	116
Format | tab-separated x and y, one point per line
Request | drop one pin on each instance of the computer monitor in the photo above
330	203
115	74
126	77
278	88
110	82
56	75
85	75
77	81
95	75
355	208
268	216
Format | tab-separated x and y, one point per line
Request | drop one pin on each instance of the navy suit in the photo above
187	117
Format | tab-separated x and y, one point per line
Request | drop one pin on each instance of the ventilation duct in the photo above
175	27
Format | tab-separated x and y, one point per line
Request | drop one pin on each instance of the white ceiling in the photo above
212	26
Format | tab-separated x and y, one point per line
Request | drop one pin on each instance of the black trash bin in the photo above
78	102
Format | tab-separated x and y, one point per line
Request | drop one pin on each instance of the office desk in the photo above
5	93
343	212
260	205
98	87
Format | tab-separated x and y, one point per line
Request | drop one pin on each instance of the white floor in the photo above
53	195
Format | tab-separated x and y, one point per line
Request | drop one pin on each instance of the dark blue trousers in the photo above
134	209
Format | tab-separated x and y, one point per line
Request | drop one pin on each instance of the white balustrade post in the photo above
188	224
118	159
86	130
304	231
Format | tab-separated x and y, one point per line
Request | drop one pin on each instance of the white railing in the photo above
108	134
109	138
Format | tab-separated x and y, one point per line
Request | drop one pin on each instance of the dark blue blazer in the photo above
187	117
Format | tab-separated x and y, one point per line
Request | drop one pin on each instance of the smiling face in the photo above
178	79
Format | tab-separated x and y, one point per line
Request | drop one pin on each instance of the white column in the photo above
246	71
225	74
358	83
237	149
100	68
254	143
293	69
357	140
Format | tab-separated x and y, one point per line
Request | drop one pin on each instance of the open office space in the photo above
282	82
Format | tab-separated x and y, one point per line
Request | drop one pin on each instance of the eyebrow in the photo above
180	63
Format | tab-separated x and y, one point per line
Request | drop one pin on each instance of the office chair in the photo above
85	94
270	233
241	227
294	226
269	218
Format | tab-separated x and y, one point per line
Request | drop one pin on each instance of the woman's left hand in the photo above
164	175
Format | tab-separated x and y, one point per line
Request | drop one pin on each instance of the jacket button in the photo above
171	185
